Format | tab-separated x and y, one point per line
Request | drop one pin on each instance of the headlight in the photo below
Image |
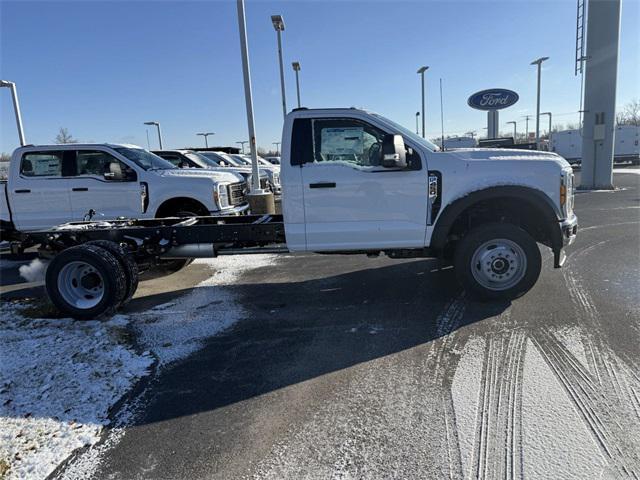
220	195
566	193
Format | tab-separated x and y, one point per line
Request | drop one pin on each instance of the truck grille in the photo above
237	193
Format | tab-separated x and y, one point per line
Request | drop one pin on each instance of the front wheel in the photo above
497	261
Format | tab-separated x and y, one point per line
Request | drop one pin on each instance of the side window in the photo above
347	141
41	164
175	159
101	164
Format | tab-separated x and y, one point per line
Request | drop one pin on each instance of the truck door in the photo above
105	184
350	200
39	193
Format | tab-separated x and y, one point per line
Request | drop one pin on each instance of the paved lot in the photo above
350	367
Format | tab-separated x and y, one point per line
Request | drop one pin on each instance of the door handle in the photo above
323	185
24	190
80	189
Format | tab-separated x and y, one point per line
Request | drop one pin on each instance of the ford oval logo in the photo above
493	99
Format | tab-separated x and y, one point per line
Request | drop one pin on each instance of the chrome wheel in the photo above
80	285
498	264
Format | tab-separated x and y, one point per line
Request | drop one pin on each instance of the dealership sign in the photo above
493	99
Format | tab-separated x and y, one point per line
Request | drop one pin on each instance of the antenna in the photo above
441	118
148	144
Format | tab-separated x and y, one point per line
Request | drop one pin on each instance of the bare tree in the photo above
630	115
5	157
64	137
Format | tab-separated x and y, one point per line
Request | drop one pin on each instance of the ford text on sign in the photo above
493	99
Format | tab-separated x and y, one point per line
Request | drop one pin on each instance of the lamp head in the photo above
422	69
539	60
296	66
278	22
151	123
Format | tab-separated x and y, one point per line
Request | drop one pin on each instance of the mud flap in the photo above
559	257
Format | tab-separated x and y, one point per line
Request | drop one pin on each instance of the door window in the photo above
347	141
101	164
41	164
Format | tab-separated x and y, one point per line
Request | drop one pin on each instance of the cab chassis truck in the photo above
353	182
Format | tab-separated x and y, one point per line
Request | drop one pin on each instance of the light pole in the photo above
538	62
242	144
205	135
278	24
515	132
16	108
296	68
417	117
549	132
277	144
421	71
526	128
159	132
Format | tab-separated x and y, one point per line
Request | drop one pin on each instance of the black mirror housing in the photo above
394	154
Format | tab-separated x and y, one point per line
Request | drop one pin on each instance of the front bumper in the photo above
568	231
238	210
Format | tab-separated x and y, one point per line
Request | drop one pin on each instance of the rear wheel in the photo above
497	261
127	262
86	282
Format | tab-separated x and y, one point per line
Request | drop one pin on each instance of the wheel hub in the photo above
80	285
498	264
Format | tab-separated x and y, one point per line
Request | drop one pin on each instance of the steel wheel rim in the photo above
81	285
499	264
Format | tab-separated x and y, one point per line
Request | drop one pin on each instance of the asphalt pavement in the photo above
353	367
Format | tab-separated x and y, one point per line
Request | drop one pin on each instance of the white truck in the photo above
460	142
353	182
626	148
55	184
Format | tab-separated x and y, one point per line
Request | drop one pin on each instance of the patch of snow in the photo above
34	272
571	338
176	329
465	391
58	379
627	170
555	438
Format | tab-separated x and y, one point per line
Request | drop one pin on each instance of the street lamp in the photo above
296	68
277	144
157	125
538	62
549	132
526	128
16	108
421	71
278	24
242	144
205	135
417	117
515	132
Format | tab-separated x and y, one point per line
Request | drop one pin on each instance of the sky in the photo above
101	69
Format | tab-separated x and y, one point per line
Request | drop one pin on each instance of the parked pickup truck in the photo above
55	184
354	182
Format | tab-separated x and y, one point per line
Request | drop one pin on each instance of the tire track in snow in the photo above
497	451
608	421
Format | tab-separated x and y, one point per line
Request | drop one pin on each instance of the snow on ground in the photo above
60	377
627	170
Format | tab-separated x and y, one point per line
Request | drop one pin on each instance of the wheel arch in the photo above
534	210
171	204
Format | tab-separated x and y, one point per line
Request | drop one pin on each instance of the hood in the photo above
215	175
494	154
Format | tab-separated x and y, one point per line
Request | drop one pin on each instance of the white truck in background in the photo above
568	144
353	182
49	185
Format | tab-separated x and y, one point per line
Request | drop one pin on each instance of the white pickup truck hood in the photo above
508	154
215	175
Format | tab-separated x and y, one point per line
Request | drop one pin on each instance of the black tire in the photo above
110	270
481	239
126	261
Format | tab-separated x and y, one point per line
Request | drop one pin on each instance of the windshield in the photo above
218	157
241	160
201	161
145	159
408	133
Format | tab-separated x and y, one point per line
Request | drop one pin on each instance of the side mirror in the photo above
394	154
